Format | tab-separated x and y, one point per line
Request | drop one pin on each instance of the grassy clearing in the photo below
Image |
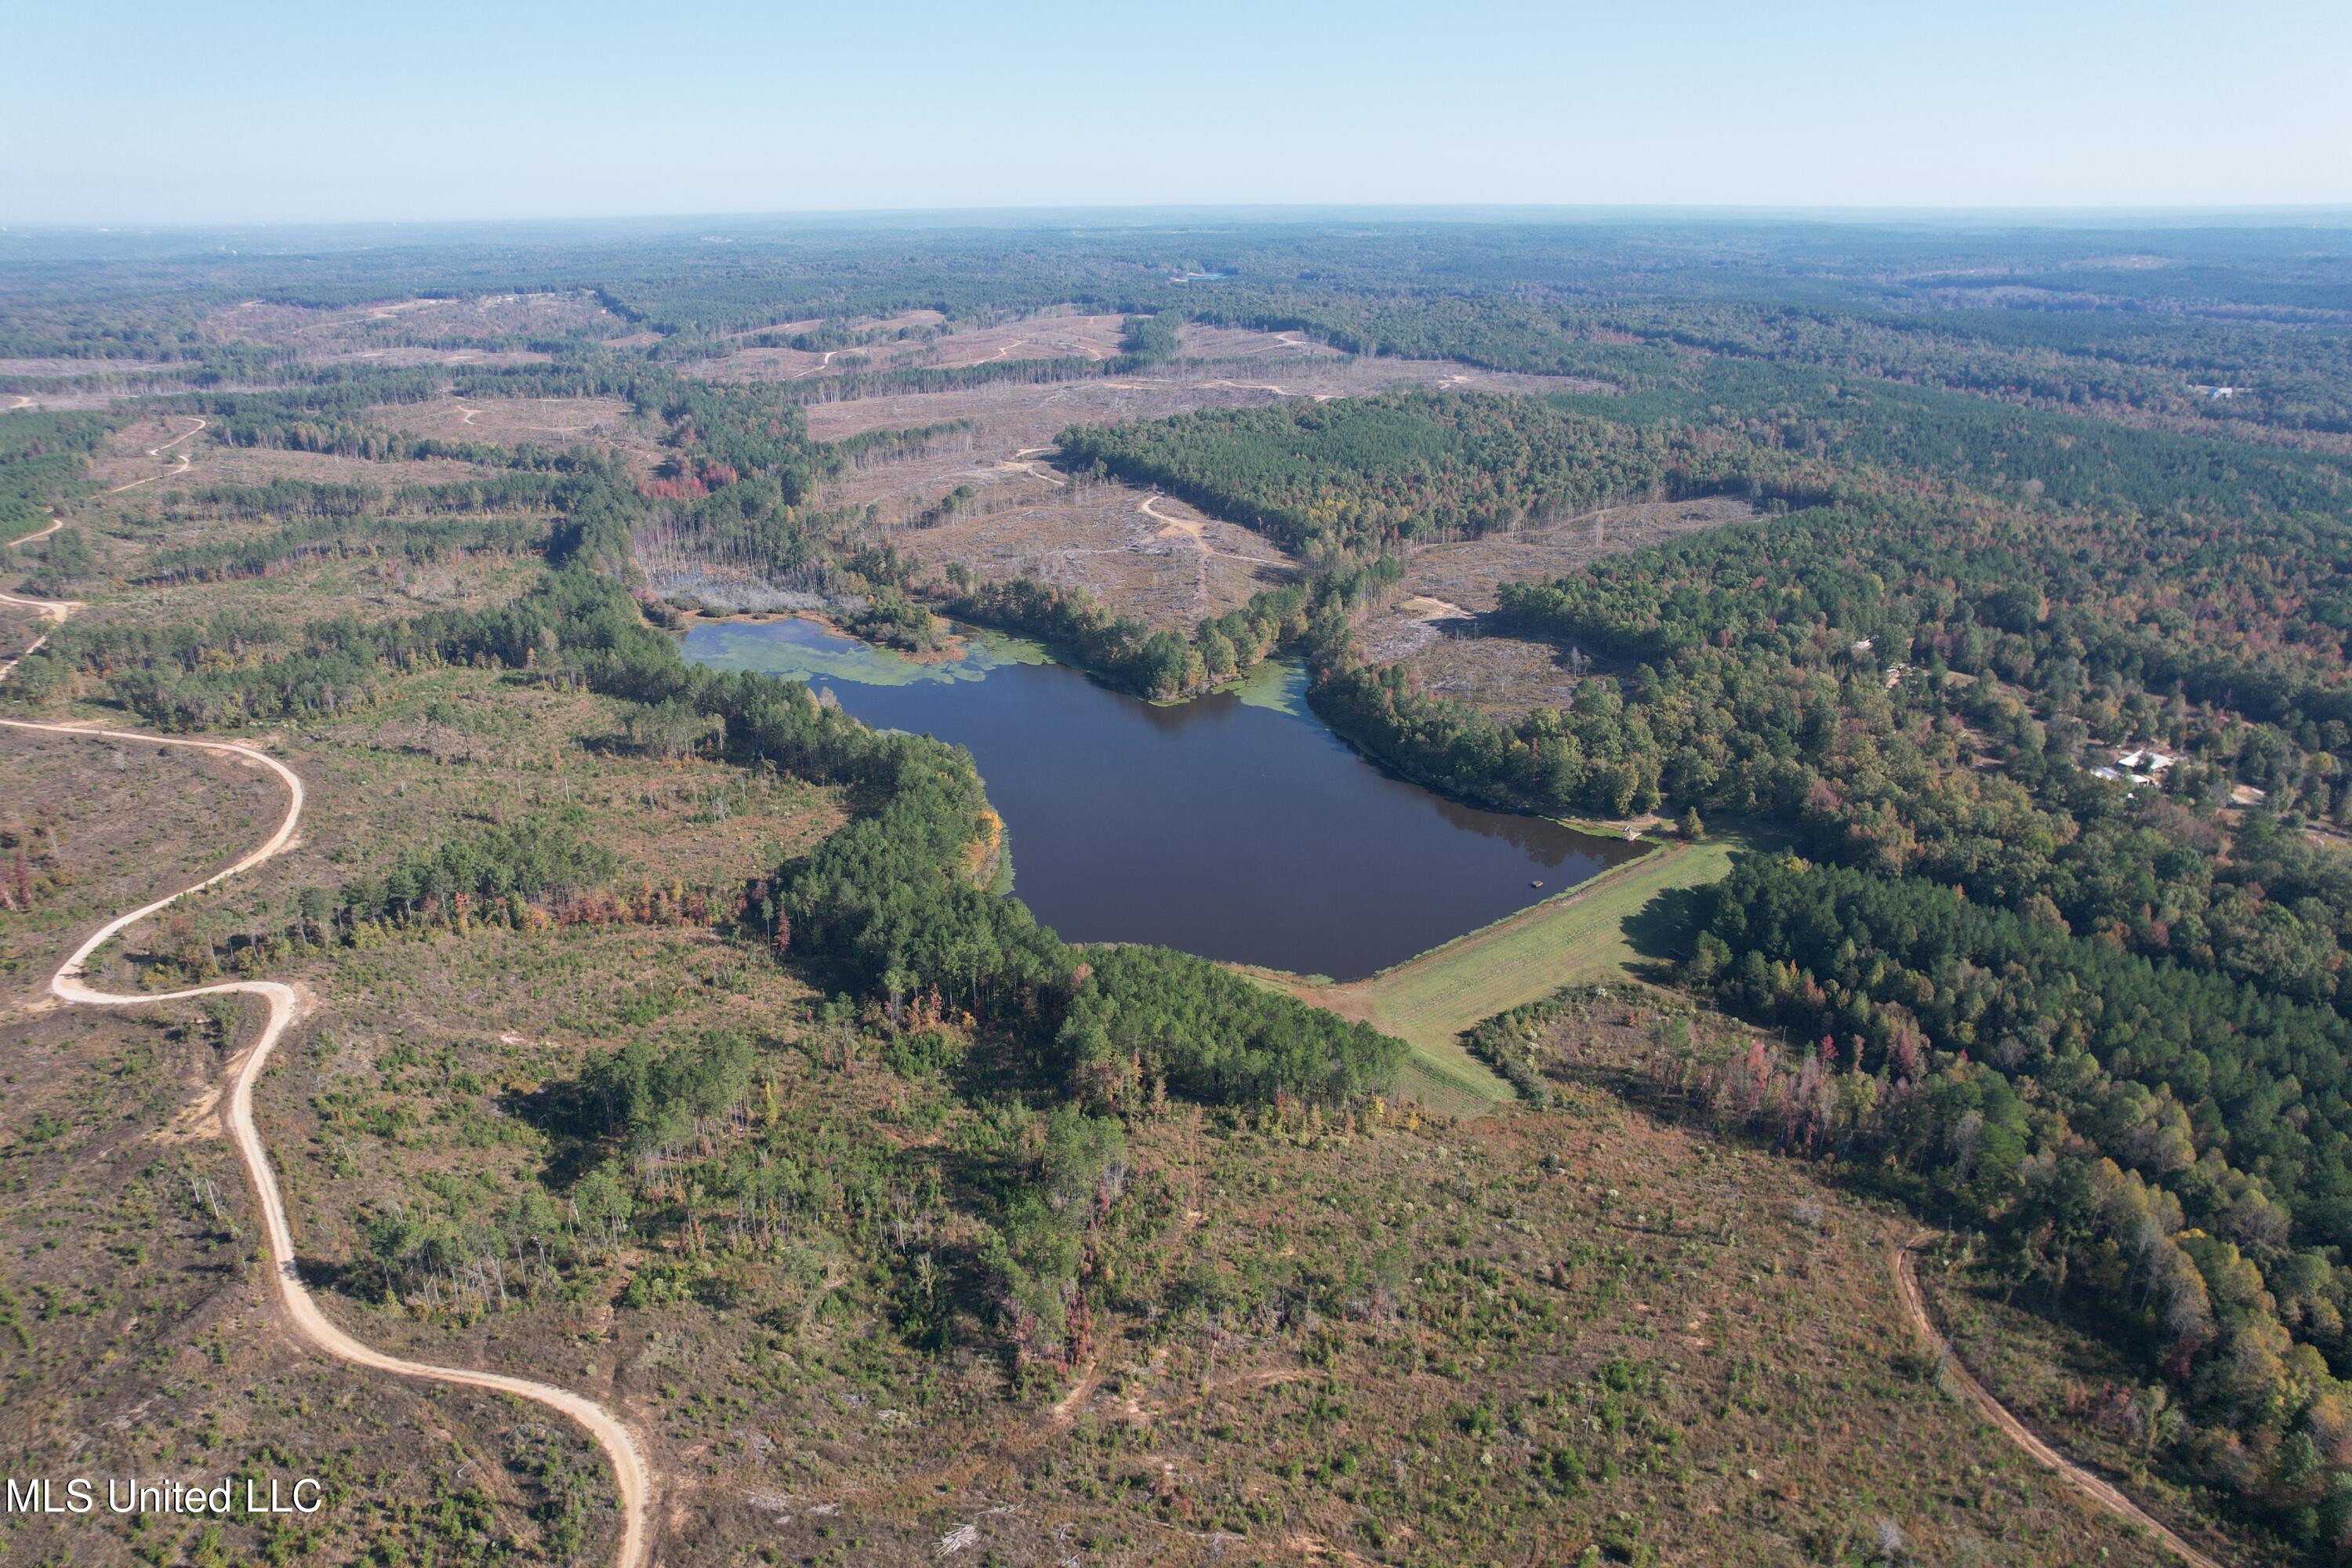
1600	930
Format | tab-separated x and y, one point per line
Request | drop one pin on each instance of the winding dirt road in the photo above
1183	527
55	523
1906	1279
286	1003
55	611
185	462
159	452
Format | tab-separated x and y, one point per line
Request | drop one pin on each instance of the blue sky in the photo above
243	113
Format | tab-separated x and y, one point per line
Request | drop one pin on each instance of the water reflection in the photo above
1237	826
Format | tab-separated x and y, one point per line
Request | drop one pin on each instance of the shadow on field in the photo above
1663	931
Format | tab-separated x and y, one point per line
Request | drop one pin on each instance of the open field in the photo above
145	451
449	753
1152	557
214	464
1580	935
156	458
19	626
1023	414
1503	677
1710	1334
369	586
1464	575
411	354
1168	566
600	422
327	333
1062	334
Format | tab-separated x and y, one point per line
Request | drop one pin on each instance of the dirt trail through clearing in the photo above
159	452
55	523
1191	532
1185	528
1906	1279
166	474
1024	461
57	611
1066	1407
1269	387
185	462
1282	342
285	1004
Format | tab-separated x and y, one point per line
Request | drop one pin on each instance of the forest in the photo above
1365	474
2166	1144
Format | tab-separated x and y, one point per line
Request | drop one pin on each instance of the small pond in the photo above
1235	825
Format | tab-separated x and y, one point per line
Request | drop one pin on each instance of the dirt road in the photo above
185	462
159	452
55	523
285	1004
1906	1279
1268	386
55	611
1183	527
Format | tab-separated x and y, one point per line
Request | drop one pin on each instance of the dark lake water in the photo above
1235	825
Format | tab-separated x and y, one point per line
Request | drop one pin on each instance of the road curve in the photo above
302	1308
55	523
55	611
1906	1279
159	452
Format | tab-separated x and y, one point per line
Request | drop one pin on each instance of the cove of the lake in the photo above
1235	825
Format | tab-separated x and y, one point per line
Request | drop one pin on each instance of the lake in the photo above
1235	825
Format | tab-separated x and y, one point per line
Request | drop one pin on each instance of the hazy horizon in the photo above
442	114
296	236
